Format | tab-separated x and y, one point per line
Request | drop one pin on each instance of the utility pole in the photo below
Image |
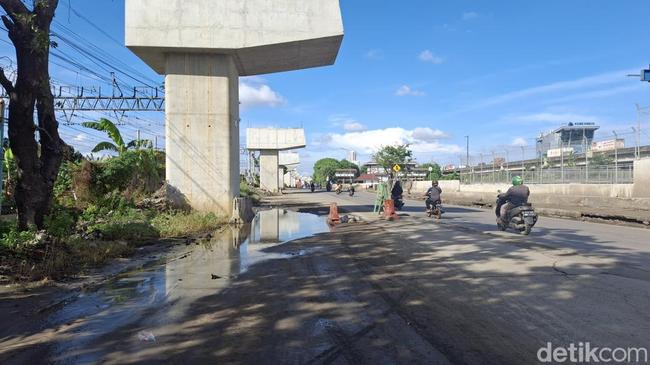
638	130
523	160
482	168
494	167
562	159
467	164
584	142
615	157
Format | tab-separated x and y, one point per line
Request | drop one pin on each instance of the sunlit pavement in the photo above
413	291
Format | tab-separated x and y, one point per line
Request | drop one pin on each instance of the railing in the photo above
567	175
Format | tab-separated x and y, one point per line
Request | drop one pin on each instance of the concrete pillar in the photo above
269	170
641	178
281	177
202	129
269	221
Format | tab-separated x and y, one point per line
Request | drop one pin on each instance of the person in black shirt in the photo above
516	196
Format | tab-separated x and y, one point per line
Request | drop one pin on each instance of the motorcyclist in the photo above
516	196
397	191
328	186
396	194
433	195
312	186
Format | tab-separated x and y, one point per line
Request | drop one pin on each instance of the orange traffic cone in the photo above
333	217
389	209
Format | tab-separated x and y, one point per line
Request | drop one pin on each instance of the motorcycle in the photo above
436	211
339	189
521	219
312	188
351	192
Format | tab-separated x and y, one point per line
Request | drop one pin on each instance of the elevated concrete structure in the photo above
270	141
289	162
203	46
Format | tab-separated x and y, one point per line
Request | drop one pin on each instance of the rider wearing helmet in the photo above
433	195
515	197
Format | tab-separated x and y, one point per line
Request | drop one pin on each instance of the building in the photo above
352	157
573	137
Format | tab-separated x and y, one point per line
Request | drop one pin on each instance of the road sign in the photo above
397	168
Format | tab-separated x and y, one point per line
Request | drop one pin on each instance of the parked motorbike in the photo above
436	211
521	219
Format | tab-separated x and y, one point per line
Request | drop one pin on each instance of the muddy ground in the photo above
407	292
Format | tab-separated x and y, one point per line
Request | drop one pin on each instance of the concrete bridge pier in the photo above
202	128
270	141
202	47
269	170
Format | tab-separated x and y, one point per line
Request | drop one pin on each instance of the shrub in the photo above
183	224
61	222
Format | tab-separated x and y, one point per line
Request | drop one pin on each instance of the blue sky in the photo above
429	73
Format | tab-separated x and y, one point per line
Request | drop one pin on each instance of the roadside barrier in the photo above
334	217
389	210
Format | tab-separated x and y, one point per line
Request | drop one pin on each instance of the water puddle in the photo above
190	272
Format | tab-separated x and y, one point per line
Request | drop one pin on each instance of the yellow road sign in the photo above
397	168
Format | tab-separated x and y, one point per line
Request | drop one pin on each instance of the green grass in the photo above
185	224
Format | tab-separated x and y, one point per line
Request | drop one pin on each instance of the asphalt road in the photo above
413	291
628	244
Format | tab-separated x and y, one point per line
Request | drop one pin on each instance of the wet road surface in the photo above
408	292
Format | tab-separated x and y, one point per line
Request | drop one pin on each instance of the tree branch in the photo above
4	81
13	8
45	10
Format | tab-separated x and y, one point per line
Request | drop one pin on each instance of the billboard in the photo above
609	145
557	152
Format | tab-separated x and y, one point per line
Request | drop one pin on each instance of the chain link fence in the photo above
567	175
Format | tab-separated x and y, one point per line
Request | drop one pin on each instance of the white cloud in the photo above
556	118
519	142
428	56
421	140
470	15
406	90
349	124
375	54
601	80
254	92
80	137
428	134
354	127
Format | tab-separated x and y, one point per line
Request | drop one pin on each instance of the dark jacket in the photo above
434	193
517	195
397	190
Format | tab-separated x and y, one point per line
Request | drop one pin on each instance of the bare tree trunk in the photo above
38	164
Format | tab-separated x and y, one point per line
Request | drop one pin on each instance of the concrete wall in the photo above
583	190
642	178
572	200
202	129
263	35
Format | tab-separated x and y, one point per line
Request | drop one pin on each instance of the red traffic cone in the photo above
389	209
334	217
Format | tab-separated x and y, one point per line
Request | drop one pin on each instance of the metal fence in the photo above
567	175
